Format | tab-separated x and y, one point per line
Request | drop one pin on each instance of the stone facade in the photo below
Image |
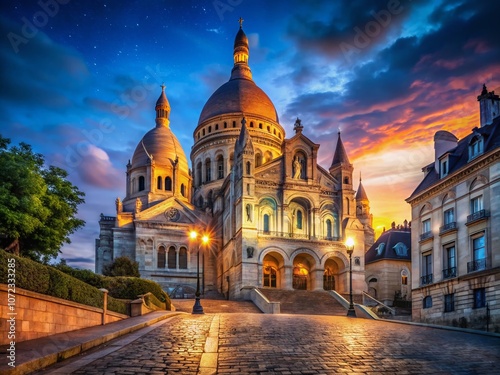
455	231
275	217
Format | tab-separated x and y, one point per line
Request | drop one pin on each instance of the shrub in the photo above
122	266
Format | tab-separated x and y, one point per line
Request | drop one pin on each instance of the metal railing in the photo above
481	214
426	279
448	227
426	235
448	273
476	265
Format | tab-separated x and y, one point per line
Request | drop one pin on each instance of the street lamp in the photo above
349	244
197	308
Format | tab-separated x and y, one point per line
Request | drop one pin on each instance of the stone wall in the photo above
38	315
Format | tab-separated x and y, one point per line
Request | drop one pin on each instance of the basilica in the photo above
272	217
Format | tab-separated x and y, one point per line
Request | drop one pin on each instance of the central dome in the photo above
239	96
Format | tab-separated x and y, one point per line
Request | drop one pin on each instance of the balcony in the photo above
449	273
426	236
426	280
476	265
448	227
477	216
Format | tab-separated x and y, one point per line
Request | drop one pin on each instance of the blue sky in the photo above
80	80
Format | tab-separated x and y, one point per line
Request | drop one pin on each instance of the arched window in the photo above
328	228
216	126
172	258
220	167
161	257
159	183
225	125
266	223
251	124
299	219
183	190
168	183
183	260
258	160
208	170
248	168
198	174
141	183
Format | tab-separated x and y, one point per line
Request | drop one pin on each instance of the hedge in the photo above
122	287
44	279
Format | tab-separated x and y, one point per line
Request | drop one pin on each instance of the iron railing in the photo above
481	214
426	235
448	227
426	279
476	265
450	272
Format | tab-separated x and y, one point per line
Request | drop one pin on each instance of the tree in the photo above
122	266
38	205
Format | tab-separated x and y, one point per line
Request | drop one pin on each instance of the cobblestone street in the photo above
244	343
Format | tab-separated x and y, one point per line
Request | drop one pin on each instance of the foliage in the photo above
37	204
48	280
120	287
122	266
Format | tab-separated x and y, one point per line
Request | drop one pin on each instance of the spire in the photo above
244	137
240	55
340	156
361	193
162	109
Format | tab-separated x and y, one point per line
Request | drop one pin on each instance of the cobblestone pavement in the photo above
300	344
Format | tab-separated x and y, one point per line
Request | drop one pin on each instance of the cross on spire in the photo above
241	22
163	87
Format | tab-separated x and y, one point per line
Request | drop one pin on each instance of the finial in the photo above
359	176
243	121
241	22
163	87
298	126
485	90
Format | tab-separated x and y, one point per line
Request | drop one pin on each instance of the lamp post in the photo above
349	244
197	308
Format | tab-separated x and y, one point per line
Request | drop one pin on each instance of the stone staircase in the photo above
305	302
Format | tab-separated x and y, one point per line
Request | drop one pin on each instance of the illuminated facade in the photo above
276	218
456	226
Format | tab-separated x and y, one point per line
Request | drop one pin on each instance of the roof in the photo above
340	155
393	244
459	155
361	193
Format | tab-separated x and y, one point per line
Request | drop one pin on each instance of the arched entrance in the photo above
302	267
331	274
272	270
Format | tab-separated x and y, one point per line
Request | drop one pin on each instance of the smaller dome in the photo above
163	146
241	39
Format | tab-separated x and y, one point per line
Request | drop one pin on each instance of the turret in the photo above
240	55
341	169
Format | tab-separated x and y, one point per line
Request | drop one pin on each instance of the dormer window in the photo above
476	146
444	166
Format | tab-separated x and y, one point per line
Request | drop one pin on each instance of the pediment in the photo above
271	170
171	210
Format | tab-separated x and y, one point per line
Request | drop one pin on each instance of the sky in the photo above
80	80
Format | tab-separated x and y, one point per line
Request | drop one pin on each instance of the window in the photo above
161	257
172	258
404	279
159	183
401	249
444	168
478	248
249	168
198	174
299	219
258	160
208	171
203	131
475	147
210	129
183	258
426	226
450	265
449	302
220	167
449	216
266	223
168	183
183	190
479	298
234	124
346	180
251	124
141	183
260	126
216	126
270	277
427	303
476	204
426	269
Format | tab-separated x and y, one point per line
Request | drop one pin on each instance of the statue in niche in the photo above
138	205
249	212
119	206
297	167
